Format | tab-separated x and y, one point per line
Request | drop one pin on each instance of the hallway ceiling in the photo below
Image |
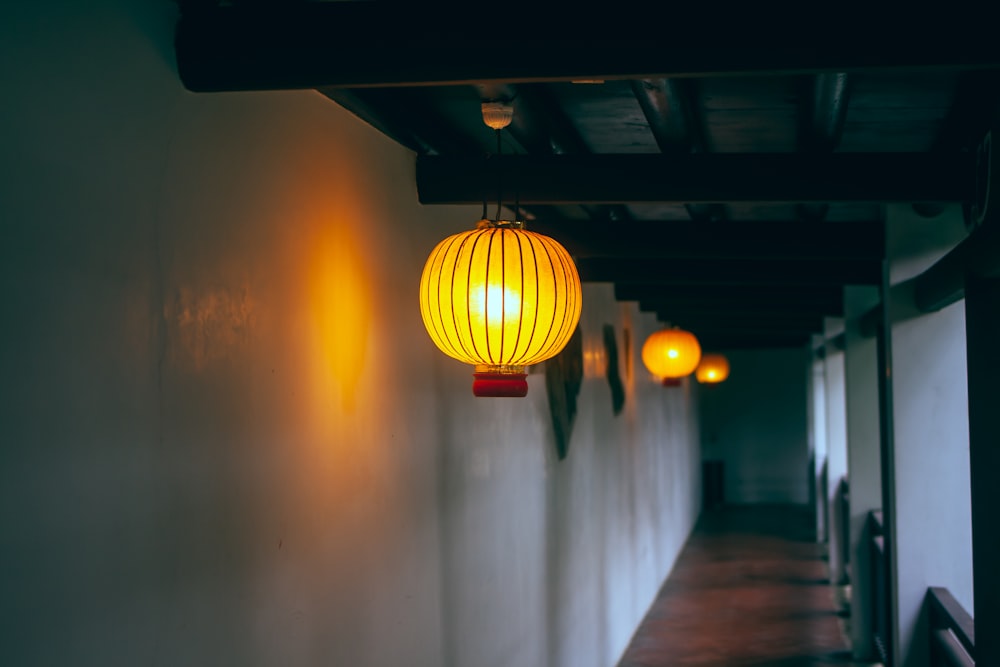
727	172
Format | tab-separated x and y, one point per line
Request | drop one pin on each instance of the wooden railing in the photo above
880	615
953	639
952	630
844	529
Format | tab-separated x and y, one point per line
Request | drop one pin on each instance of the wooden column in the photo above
864	462
982	326
888	645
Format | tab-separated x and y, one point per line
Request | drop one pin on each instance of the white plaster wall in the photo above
864	455
933	533
755	423
836	427
227	439
836	409
816	414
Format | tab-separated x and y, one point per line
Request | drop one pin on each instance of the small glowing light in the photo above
671	353
713	368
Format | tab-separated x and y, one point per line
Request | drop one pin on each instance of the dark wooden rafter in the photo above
822	111
824	296
700	323
766	299
975	106
742	309
270	46
823	116
722	240
756	309
944	283
729	271
974	109
670	109
736	320
757	177
737	340
407	117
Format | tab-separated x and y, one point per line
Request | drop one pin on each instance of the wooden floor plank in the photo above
750	588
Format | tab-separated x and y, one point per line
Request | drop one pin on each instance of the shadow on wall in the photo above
614	377
563	377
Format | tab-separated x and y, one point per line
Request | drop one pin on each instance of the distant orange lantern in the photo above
501	298
671	354
712	369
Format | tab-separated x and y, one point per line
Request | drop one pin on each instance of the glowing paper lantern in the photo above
500	297
671	354
713	368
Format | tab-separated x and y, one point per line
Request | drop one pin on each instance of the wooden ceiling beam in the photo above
730	271
759	301
974	108
670	110
715	341
407	117
700	326
755	309
944	283
824	296
822	112
732	177
275	45
718	240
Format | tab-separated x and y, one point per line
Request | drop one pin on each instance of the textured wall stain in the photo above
206	326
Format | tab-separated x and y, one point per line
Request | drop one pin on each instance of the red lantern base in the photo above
499	385
671	382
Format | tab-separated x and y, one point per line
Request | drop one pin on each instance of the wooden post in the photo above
982	331
888	457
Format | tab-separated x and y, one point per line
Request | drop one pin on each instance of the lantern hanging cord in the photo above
517	198
485	212
499	175
498	114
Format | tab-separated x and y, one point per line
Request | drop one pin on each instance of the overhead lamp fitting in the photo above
498	114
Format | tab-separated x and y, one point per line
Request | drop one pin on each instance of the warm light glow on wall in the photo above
671	353
501	298
341	307
713	368
595	358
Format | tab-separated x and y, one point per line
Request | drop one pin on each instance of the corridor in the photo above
749	588
243	421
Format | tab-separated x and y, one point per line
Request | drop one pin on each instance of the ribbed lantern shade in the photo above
671	353
713	368
501	298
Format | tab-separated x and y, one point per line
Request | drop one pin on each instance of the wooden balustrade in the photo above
880	614
952	631
951	628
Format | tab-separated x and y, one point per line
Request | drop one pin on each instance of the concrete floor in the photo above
751	587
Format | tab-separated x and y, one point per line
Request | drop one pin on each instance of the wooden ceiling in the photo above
729	173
